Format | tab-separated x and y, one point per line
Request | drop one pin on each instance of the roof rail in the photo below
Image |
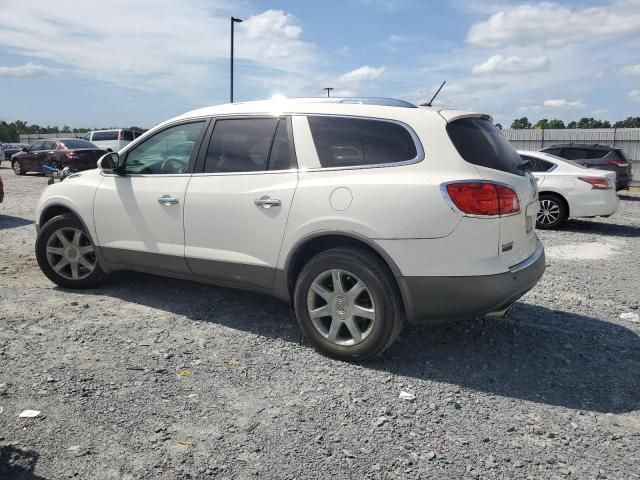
382	101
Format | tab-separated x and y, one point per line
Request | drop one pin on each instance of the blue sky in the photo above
98	63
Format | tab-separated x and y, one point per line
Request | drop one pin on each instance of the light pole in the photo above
328	89
234	20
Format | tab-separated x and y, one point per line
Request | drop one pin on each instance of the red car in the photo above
74	153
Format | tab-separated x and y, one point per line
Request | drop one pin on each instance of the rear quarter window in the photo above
479	142
357	142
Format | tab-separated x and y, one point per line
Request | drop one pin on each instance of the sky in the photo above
136	63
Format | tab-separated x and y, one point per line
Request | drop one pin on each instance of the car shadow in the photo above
18	464
629	198
601	228
8	221
536	354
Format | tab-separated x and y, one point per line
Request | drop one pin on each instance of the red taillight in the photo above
120	135
597	183
483	198
618	163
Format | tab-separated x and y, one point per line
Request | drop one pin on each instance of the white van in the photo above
111	140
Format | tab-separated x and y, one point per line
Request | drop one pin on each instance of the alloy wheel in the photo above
549	213
70	253
17	168
341	307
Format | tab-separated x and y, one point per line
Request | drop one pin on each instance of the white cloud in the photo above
512	65
552	24
563	103
27	70
635	95
351	83
183	47
632	70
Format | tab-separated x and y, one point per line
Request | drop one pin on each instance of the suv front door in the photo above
238	202
138	211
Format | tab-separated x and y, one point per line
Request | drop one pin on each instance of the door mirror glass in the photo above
109	161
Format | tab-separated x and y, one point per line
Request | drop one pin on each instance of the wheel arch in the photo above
559	196
317	242
55	209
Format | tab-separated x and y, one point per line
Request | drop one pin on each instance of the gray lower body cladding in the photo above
440	298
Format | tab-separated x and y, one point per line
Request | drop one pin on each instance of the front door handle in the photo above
167	200
267	202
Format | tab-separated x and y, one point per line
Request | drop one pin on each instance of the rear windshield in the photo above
77	143
480	143
110	135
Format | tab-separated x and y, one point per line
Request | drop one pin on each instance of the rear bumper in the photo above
441	298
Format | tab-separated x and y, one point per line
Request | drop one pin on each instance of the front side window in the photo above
240	145
48	145
356	142
37	146
166	152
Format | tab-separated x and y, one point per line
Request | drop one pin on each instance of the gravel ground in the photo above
155	379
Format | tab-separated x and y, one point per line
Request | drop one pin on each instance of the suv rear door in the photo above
238	200
479	143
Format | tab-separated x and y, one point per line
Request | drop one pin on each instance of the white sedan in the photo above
568	190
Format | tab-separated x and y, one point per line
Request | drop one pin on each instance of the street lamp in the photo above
328	89
234	20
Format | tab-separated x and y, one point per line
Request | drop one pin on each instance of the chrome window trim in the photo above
452	205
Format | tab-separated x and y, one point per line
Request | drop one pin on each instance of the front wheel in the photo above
66	254
553	212
347	303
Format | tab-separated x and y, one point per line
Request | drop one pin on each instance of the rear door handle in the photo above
267	202
167	200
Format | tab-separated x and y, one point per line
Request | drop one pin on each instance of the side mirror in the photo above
109	161
25	149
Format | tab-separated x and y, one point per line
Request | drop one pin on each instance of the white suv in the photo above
363	213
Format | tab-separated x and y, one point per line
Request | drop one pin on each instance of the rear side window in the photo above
574	153
240	145
128	135
480	143
110	135
355	142
552	151
596	153
538	165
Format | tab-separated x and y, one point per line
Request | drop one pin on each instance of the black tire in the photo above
18	168
67	223
381	291
557	212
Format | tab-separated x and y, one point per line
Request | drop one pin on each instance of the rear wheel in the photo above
347	304
66	254
18	169
553	212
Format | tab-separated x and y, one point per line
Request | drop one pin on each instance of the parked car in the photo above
112	140
568	190
74	153
602	157
9	149
363	213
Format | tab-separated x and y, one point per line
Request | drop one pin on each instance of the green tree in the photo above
521	123
542	124
572	124
629	122
555	123
499	126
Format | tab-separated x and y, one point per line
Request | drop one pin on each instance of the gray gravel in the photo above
161	379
